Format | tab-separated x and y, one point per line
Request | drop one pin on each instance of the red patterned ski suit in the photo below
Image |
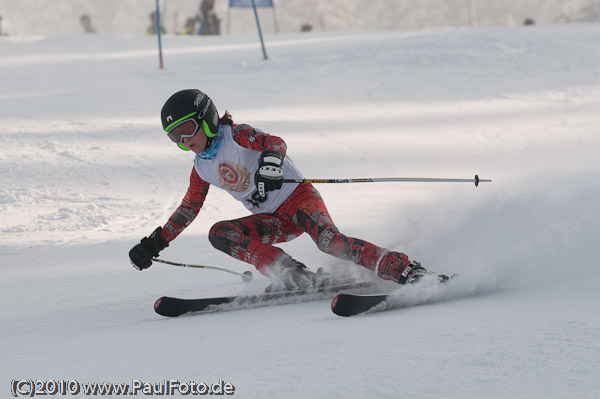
251	238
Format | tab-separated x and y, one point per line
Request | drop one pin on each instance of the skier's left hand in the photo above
141	255
269	175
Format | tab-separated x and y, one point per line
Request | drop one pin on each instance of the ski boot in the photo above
292	275
395	266
419	271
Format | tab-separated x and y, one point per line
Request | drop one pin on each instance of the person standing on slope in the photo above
250	165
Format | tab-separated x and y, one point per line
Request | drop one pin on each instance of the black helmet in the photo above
187	104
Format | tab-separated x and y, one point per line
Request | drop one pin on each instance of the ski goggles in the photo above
187	127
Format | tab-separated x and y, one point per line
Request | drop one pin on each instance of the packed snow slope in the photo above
86	172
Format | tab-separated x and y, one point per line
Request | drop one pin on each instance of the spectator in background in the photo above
86	23
1	33
209	23
151	29
306	27
190	27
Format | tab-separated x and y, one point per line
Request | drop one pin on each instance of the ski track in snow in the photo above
86	173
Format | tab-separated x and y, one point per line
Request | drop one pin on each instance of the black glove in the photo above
141	255
269	175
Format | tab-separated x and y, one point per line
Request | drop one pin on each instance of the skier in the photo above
251	164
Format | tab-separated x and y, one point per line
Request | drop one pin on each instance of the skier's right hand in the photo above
141	255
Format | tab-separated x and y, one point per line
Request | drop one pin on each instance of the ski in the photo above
172	307
352	304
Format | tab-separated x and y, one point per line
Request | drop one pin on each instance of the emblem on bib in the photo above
234	177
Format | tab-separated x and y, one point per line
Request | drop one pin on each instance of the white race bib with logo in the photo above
233	170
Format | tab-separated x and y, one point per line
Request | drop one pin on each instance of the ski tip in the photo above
157	304
346	304
334	303
339	306
168	307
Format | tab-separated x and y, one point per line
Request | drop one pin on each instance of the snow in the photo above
86	173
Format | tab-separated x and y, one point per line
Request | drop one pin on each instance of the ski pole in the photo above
475	180
246	276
